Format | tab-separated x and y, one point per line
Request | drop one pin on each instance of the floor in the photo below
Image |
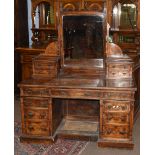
92	148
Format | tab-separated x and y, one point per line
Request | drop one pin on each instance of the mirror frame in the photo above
82	13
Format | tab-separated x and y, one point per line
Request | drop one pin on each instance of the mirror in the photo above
83	37
124	15
43	15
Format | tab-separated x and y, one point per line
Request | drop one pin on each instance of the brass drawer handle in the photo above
63	93
109	132
108	95
29	91
43	115
31	128
87	94
123	132
30	114
123	119
43	129
116	107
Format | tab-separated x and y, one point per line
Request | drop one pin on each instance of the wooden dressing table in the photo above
88	95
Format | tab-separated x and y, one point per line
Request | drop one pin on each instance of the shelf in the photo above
79	129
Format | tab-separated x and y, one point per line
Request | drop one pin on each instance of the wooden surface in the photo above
76	95
26	56
116	102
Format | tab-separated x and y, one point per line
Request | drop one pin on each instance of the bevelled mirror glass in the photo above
83	37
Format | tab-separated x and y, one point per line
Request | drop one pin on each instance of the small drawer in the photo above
116	95
120	66
41	114
36	102
43	64
119	74
75	93
115	131
116	106
37	128
27	58
115	118
28	91
46	71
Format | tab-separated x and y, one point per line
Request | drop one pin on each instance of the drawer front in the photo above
119	73
75	94
44	64
120	66
119	95
43	71
113	131
115	118
40	114
36	102
27	58
28	91
116	106
37	128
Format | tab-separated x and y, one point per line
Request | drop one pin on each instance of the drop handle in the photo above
43	129
123	119
30	128
123	132
109	132
29	91
42	116
116	107
30	114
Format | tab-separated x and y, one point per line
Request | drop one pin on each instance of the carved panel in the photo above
28	91
94	6
37	128
71	6
35	113
75	93
113	131
117	106
36	102
119	95
114	118
52	49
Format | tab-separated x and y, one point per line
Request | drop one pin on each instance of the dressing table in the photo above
82	86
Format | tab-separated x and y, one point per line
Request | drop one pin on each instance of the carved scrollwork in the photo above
116	131
52	49
69	7
41	92
93	7
111	107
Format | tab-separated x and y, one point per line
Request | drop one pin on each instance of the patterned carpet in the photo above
61	147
